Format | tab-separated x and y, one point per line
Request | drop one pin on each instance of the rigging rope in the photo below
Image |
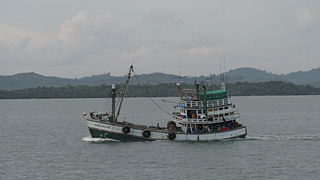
121	89
155	103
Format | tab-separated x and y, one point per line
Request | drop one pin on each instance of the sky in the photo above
76	38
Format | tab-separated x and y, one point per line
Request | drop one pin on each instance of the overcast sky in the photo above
75	38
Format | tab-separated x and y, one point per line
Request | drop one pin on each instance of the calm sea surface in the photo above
48	139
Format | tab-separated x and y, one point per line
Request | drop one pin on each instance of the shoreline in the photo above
71	98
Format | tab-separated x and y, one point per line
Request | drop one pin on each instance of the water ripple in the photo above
284	137
97	140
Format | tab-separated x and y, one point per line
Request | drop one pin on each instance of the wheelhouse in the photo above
205	111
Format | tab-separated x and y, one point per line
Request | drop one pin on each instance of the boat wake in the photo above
284	137
97	140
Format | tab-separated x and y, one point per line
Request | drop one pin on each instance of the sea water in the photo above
48	139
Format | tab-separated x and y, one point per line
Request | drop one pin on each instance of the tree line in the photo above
158	90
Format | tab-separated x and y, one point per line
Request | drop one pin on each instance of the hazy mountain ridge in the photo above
244	74
30	80
304	77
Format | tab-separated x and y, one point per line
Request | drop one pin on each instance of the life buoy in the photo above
171	125
146	134
171	136
126	129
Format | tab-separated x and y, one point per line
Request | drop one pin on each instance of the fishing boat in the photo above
200	115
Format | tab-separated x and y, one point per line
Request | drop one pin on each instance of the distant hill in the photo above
311	77
31	80
253	75
245	74
249	75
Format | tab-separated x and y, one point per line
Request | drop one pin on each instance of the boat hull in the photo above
115	131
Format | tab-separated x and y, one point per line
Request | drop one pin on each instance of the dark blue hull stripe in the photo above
97	133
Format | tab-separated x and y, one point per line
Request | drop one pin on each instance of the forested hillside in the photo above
158	90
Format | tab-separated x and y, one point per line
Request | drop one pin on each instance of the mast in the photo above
113	95
197	90
211	78
205	101
124	93
180	89
222	78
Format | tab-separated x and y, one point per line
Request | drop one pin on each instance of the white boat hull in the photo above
115	131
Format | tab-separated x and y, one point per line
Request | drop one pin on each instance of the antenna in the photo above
220	73
225	70
179	69
222	76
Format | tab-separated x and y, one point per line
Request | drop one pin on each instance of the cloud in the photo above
268	34
86	24
101	32
203	50
163	18
129	55
96	43
305	16
82	40
4	47
102	41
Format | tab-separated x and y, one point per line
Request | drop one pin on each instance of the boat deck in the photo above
131	125
155	128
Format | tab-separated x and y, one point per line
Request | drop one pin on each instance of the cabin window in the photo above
220	109
188	104
214	103
216	116
220	102
209	110
199	111
194	103
226	107
215	109
191	113
220	115
199	104
226	114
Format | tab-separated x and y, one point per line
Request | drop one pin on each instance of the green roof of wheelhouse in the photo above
213	95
